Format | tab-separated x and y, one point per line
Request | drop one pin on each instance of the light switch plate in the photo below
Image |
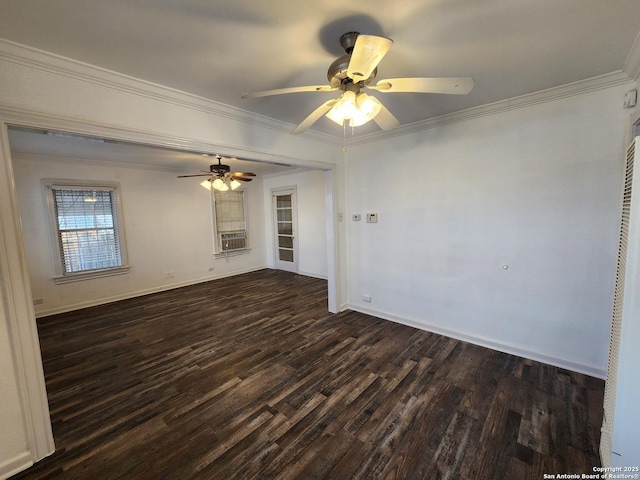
630	99
372	218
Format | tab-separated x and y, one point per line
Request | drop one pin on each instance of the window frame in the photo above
218	252
60	275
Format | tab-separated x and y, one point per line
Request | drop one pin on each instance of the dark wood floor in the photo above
250	377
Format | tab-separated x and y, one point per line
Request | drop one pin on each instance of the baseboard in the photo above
15	465
140	293
313	275
500	346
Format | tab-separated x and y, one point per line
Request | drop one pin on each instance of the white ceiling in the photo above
220	49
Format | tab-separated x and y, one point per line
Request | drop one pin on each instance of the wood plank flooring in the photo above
250	377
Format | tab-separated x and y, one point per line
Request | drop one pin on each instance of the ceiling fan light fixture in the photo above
367	108
357	109
344	109
221	178
220	185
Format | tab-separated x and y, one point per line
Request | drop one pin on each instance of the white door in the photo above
284	214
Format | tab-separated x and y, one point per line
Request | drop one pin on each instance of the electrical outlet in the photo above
38	301
211	269
366	298
372	218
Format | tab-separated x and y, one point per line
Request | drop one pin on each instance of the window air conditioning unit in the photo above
233	241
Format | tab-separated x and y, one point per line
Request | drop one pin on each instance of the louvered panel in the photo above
606	440
233	241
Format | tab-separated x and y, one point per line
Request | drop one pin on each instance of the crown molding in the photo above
632	64
543	96
82	161
40	121
67	67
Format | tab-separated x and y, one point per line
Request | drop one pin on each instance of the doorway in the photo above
285	228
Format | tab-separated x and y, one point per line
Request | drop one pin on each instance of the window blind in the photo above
87	228
229	211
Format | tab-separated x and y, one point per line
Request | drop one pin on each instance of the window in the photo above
230	221
87	234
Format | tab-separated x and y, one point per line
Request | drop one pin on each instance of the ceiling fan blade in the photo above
367	53
385	119
453	86
315	116
280	91
243	179
197	175
242	174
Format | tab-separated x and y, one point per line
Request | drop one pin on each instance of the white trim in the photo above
335	269
41	120
90	275
15	465
509	348
232	253
632	64
19	314
535	98
312	275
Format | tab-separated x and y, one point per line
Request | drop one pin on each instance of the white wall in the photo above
167	223
312	232
536	189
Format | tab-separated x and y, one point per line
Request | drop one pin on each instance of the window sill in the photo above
232	253
78	277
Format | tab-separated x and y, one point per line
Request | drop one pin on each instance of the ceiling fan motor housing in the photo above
220	168
348	41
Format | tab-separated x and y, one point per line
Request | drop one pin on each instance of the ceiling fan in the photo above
221	177
354	72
